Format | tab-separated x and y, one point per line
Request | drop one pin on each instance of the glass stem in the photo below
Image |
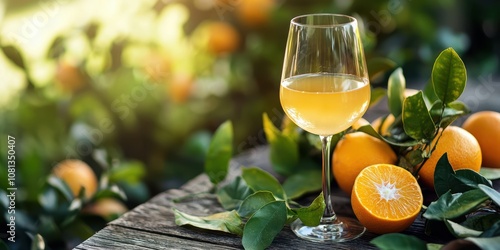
328	215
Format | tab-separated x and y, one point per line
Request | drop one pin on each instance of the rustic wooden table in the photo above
152	225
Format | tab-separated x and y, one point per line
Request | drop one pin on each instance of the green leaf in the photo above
493	231
429	94
254	202
445	178
232	195
490	173
137	192
371	131
61	185
13	54
130	172
485	243
377	66
291	216
80	229
290	129
302	182
481	222
228	221
26	222
460	231
219	153
258	179
264	225
56	48
393	241
48	199
414	158
443	175
396	130
395	92
450	206
284	150
315	141
434	246
376	94
197	145
311	215
46	225
449	76
471	179
456	108
492	193
417	121
449	114
113	191
37	242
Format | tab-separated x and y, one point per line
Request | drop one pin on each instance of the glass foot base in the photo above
339	230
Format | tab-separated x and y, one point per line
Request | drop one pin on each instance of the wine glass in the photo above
324	90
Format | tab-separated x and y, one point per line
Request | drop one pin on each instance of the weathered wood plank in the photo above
116	237
160	219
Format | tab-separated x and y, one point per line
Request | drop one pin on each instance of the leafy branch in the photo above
420	118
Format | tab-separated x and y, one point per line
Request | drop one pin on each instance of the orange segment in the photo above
386	198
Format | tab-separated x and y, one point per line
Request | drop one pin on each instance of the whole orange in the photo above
180	87
222	37
355	152
386	198
108	208
485	127
463	152
69	78
77	175
253	13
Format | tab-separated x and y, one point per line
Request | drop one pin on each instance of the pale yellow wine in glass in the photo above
324	90
324	104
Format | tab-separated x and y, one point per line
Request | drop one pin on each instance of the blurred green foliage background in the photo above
136	88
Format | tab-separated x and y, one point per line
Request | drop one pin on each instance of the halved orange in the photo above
386	198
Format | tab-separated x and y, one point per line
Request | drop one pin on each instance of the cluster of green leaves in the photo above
467	206
420	118
54	214
257	205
